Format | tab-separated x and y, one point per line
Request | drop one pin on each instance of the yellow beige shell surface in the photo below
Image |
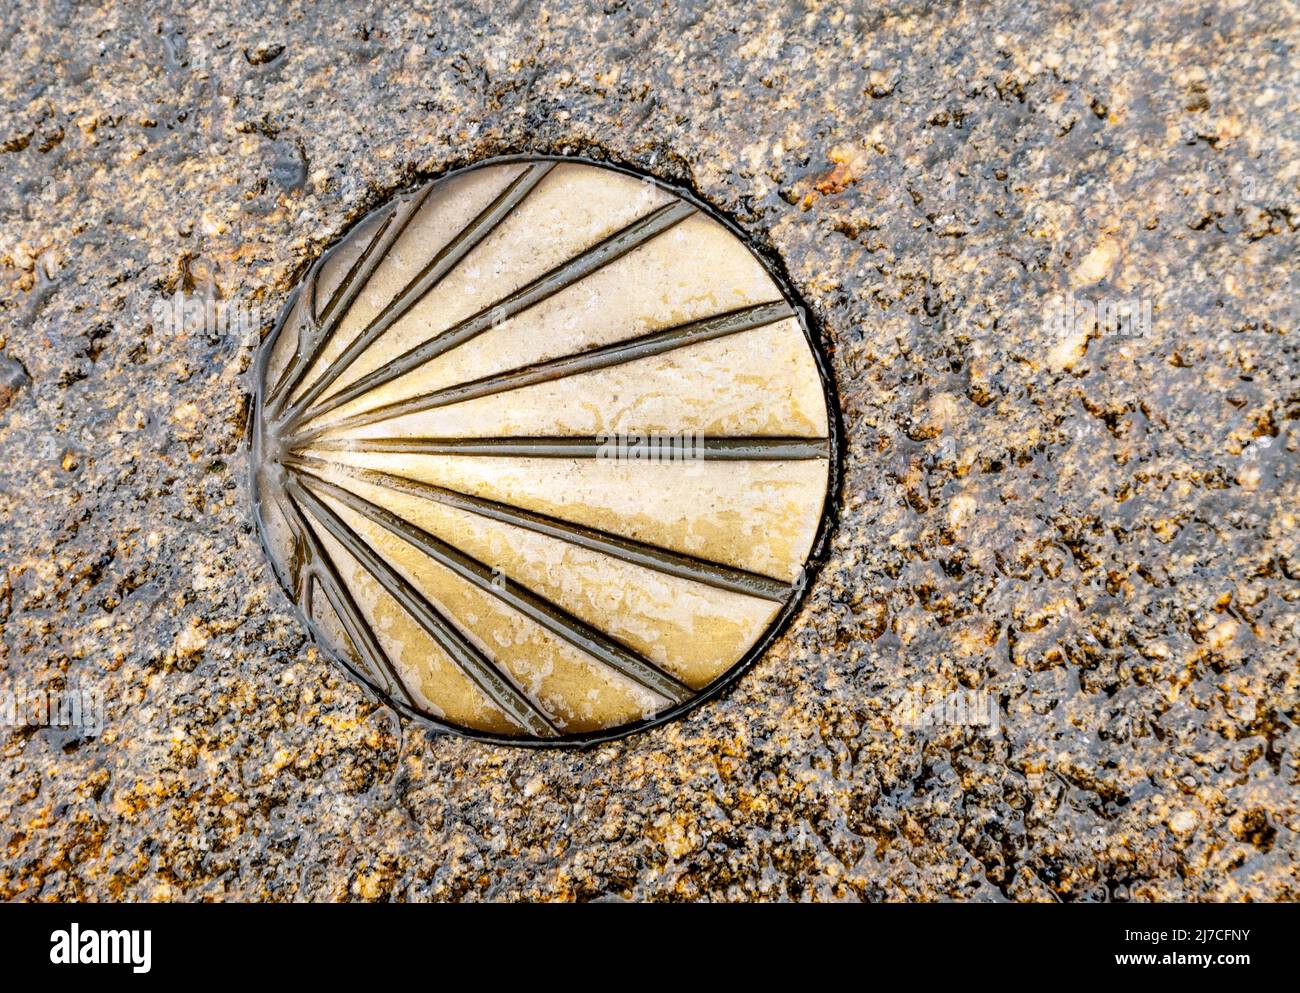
541	451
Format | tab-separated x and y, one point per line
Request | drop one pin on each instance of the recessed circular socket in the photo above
541	451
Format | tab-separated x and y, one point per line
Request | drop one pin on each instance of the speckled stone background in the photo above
1097	532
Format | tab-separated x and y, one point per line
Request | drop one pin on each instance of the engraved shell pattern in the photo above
541	452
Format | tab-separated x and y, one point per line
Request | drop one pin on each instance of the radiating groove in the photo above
664	448
715	574
646	346
277	388
301	557
352	284
368	260
498	688
549	615
358	274
428	278
324	573
566	274
309	331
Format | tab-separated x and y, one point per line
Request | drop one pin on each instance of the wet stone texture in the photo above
1089	538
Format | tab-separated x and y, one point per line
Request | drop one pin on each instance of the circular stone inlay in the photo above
541	451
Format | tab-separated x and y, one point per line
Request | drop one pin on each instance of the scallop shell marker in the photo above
541	451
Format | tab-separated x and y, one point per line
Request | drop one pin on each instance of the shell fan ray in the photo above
542	451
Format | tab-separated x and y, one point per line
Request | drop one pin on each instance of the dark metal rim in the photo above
812	565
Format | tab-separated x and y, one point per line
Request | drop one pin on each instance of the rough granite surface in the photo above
1095	534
